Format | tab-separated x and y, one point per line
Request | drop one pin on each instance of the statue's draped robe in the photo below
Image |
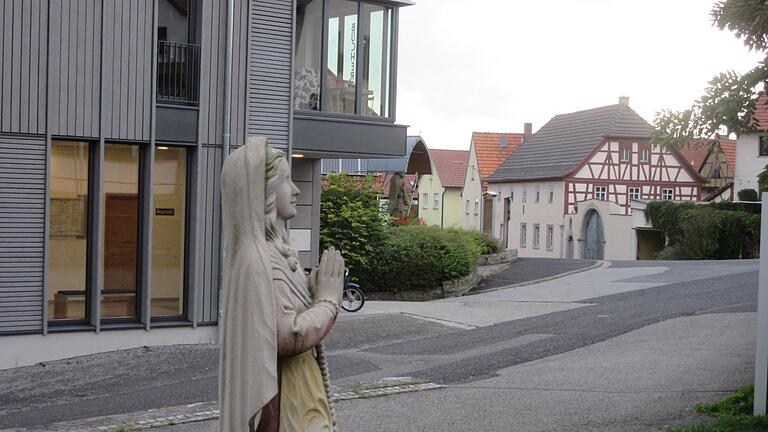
248	361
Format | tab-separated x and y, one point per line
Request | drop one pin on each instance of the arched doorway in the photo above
593	236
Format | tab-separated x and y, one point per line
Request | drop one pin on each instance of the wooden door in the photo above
121	242
594	239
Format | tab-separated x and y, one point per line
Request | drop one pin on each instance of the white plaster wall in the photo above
25	350
748	163
473	190
530	213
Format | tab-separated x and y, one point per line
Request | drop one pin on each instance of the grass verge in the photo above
732	414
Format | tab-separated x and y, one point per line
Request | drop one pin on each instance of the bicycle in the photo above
353	297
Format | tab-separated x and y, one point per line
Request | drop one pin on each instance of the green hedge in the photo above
700	232
420	258
486	243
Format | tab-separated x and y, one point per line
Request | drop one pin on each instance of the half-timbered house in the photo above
547	189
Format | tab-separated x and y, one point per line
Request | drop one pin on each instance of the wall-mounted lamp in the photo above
297	155
162	148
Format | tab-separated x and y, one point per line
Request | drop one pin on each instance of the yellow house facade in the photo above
440	192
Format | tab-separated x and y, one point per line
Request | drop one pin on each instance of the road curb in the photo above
596	265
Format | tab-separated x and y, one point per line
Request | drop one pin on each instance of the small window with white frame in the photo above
523	234
600	193
624	154
525	194
425	200
536	234
634	193
551	194
512	196
550	237
466	207
477	206
538	195
668	194
437	201
644	155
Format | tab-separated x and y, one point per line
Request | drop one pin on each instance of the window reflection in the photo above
121	230
68	231
376	60
358	43
309	28
342	56
168	238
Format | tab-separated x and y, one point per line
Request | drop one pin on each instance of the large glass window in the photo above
68	231
341	72
169	228
377	52
309	28
120	222
339	42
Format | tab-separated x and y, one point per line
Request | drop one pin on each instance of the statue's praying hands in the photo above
327	281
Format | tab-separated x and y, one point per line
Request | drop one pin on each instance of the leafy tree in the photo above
351	220
729	102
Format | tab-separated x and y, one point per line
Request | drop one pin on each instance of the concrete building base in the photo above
26	350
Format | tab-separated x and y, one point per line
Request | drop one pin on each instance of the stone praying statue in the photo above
273	374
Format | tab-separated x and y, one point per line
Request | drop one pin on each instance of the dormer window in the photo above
349	71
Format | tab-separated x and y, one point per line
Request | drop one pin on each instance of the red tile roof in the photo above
729	149
491	153
696	156
761	113
451	166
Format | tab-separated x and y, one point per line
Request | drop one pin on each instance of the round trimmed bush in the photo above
420	258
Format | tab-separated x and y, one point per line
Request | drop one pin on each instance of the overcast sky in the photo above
491	65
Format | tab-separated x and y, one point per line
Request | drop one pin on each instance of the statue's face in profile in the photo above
286	192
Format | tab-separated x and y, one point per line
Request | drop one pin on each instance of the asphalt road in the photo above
528	269
364	348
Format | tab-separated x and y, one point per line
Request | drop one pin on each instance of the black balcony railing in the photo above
178	73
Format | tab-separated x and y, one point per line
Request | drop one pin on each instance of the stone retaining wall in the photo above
453	288
503	257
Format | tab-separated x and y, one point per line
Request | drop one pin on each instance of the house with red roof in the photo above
487	151
440	192
570	189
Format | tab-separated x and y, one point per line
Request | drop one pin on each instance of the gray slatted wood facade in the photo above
270	57
208	233
23	51
78	69
95	82
22	232
127	68
74	67
214	17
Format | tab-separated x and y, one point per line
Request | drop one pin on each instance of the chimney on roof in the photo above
527	129
624	101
